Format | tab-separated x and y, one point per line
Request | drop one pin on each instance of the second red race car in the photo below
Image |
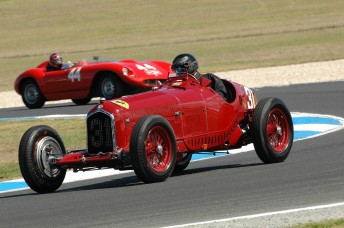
83	80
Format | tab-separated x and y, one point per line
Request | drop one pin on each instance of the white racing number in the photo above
251	102
74	74
151	70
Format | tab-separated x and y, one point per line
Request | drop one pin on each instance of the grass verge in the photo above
72	132
325	224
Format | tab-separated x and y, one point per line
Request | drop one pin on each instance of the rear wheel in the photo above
110	86
31	94
81	101
183	160
153	149
272	130
36	146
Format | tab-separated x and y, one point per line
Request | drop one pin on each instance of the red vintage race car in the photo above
83	80
155	133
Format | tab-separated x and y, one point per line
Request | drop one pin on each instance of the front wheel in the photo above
36	146
32	95
153	149
272	129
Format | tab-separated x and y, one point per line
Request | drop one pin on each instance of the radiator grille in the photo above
100	132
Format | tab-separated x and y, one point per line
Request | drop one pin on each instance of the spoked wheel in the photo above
272	130
31	95
153	149
277	130
37	145
183	160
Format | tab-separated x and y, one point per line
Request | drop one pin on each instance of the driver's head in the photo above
56	60
185	62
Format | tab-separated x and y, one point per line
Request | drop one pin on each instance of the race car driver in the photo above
187	62
55	62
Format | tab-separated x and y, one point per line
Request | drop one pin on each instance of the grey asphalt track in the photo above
219	188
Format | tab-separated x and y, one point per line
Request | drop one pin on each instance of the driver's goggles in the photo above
180	70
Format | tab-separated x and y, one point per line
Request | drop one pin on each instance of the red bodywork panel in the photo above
76	82
200	118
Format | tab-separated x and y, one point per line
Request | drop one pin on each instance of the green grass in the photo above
223	34
9	170
72	132
325	224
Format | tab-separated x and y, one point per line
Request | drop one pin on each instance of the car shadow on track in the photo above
129	181
212	168
133	180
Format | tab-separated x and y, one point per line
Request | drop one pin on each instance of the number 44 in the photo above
74	74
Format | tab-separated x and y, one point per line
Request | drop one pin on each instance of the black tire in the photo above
153	149
81	101
272	130
34	149
110	86
31	94
182	162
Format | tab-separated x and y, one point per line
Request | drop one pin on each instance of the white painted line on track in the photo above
78	176
213	222
56	116
314	127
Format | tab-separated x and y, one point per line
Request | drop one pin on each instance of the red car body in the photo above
200	118
86	79
156	132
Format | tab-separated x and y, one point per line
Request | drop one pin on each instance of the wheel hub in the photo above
278	130
108	88
46	148
159	149
31	94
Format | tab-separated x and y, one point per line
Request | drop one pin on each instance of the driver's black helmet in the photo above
185	62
